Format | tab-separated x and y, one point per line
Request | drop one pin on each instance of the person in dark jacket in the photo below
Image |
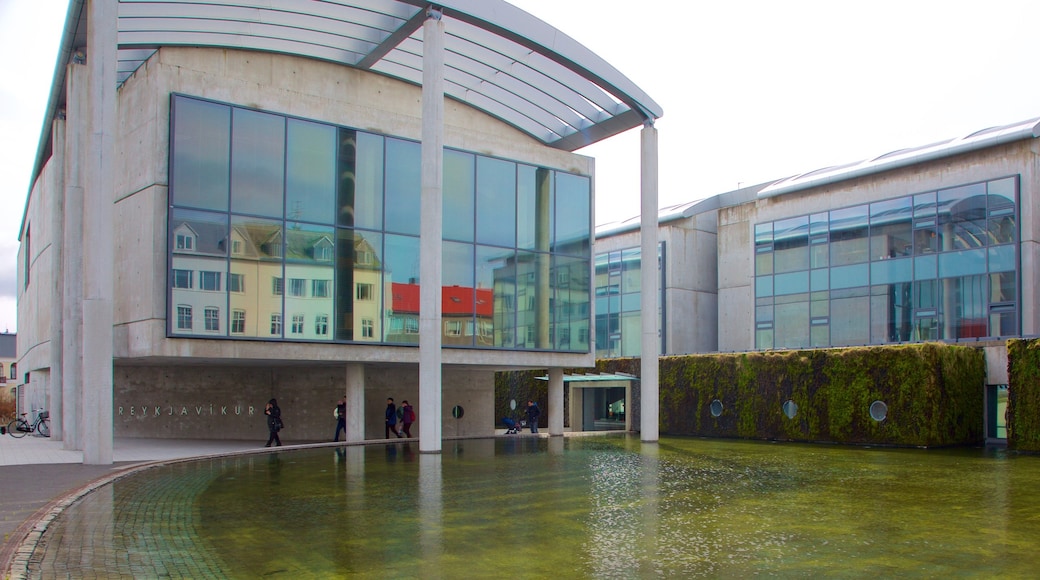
391	418
274	422
407	418
532	415
341	418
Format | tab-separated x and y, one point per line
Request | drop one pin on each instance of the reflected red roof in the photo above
455	300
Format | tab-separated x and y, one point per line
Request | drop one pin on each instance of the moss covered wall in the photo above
933	393
1023	412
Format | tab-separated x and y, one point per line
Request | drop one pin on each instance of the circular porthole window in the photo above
716	408
457	411
790	409
878	411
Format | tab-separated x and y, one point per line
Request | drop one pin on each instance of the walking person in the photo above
341	419
391	418
407	418
532	415
274	422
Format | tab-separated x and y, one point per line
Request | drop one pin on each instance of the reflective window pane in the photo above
1001	208
792	283
849	276
570	285
201	154
310	272
462	305
924	206
848	324
198	269
889	271
496	272
849	241
256	265
361	288
968	319
1003	288
791	244
403	186
962	217
792	325
457	219
532	300
890	227
310	173
573	215
963	263
401	270
763	286
257	163
534	205
631	271
496	202
1002	259
891	313
361	171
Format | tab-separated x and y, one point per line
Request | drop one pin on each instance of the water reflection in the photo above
577	507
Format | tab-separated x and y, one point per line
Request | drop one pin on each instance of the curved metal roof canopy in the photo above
498	58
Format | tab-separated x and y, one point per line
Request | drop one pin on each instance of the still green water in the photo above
582	507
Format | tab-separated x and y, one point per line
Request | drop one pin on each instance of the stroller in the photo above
512	427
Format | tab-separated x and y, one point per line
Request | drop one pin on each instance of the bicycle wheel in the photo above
18	428
44	428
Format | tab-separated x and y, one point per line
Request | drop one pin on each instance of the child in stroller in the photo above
512	427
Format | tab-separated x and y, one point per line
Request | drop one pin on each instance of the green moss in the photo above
1023	413
933	391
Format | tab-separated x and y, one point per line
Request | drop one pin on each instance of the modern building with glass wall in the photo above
932	243
306	201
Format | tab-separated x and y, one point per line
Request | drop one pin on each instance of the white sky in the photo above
752	90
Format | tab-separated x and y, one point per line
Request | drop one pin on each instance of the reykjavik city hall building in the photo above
304	200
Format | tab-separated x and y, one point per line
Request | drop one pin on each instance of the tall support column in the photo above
98	267
650	403
355	399
77	132
555	402
543	238
430	234
54	396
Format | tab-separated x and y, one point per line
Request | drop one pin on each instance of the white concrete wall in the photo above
35	299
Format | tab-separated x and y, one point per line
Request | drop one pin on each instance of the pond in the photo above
575	507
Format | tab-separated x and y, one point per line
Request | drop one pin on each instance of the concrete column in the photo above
77	132
650	402
555	402
430	235
355	399
98	268
57	207
543	243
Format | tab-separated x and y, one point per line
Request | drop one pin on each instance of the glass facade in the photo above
289	229
619	283
939	265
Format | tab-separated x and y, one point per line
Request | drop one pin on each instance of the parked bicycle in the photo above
21	427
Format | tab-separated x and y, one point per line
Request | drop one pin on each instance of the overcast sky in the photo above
752	90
